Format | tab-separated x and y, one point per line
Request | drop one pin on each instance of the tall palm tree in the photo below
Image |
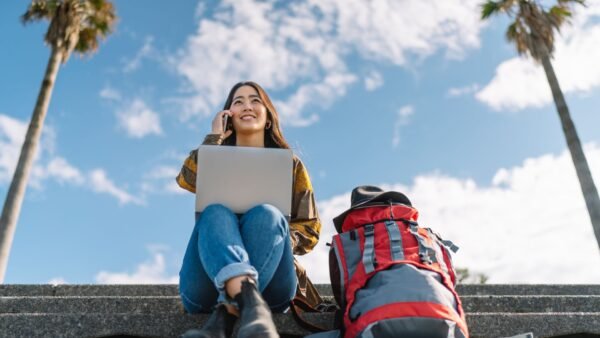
532	32
75	26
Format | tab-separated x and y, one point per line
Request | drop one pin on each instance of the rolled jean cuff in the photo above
230	271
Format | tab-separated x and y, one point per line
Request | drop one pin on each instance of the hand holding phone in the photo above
221	124
225	120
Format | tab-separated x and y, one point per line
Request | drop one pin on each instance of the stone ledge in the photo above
483	325
156	311
171	289
172	304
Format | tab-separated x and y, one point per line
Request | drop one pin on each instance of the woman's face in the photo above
249	112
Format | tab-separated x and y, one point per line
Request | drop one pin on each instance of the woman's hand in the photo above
218	127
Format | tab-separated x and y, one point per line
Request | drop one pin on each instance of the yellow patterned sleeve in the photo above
305	225
187	175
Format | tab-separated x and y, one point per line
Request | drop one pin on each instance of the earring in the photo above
268	125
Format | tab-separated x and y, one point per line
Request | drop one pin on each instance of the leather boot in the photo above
255	316
219	325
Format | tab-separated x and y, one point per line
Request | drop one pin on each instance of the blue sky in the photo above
417	96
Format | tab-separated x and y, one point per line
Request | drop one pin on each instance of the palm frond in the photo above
99	22
489	8
569	2
87	42
517	33
39	10
557	15
75	25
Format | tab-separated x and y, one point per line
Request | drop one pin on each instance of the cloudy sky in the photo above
412	95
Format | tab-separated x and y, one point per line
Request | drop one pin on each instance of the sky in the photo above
415	96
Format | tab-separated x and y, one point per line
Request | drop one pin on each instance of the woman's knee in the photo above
265	217
216	213
217	210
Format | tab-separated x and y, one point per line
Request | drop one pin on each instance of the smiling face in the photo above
249	111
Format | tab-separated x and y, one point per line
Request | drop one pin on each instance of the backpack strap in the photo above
426	253
396	249
450	245
368	258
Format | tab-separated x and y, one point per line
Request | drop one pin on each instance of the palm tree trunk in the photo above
590	193
16	192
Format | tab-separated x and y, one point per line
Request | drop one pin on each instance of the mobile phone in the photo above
225	120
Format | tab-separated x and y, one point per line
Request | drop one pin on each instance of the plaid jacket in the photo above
305	225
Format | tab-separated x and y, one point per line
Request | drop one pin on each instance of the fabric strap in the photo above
426	253
396	249
368	258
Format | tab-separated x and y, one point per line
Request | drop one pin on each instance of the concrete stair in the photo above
156	311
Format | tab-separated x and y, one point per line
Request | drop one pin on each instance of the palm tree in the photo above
75	25
532	32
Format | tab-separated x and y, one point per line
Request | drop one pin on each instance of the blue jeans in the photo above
223	246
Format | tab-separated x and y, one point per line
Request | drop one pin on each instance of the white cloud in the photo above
334	85
373	80
519	83
100	183
59	169
302	45
161	179
402	118
147	51
110	93
530	225
460	91
149	272
57	281
49	166
138	120
12	134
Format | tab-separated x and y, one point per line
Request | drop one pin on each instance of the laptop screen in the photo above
243	177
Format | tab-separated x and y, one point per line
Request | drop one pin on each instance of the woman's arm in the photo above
187	175
305	225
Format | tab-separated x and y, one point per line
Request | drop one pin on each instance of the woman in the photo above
244	266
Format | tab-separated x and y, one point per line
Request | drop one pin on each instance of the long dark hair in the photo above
273	136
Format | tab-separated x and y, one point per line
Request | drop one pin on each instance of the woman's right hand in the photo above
218	126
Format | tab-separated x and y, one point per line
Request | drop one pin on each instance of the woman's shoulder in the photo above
298	164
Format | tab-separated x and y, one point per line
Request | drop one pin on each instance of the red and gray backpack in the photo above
391	277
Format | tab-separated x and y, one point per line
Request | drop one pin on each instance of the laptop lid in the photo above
243	177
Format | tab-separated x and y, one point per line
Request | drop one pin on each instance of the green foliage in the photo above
489	8
532	30
40	10
77	25
464	276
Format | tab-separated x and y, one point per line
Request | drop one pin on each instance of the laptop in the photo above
243	177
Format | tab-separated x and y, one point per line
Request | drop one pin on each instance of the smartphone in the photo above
225	120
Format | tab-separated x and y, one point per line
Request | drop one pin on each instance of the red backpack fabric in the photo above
391	277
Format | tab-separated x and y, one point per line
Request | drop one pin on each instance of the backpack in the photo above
389	276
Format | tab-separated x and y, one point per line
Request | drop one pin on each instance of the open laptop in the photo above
243	177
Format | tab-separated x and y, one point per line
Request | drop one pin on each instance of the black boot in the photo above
219	325
255	316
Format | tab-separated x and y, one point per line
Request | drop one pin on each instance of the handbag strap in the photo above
298	306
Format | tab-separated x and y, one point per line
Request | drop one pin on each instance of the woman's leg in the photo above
196	289
215	254
265	233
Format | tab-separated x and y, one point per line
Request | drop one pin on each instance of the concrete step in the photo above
172	304
156	311
324	289
172	325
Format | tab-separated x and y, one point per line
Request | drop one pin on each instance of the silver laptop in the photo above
243	177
